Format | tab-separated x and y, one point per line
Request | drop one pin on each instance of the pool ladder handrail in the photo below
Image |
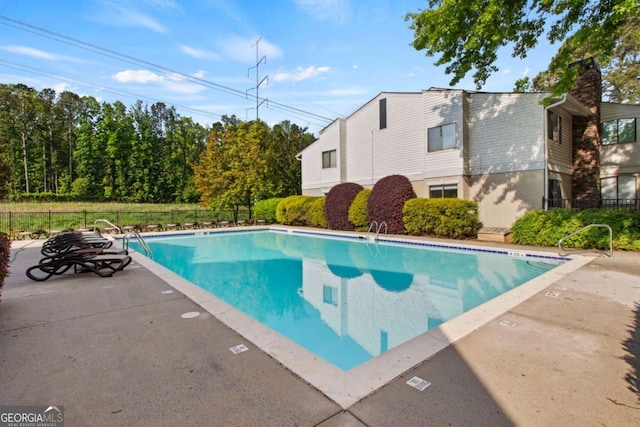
129	235
610	254
107	222
378	228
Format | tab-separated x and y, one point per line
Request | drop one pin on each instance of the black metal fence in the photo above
629	204
16	222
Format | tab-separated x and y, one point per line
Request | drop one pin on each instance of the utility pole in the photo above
258	81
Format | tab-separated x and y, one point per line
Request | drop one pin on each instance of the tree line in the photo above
72	146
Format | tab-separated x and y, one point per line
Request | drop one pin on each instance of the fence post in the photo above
85	217
10	222
49	220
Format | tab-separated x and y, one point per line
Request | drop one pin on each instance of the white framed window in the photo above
441	137
443	191
619	131
329	159
554	126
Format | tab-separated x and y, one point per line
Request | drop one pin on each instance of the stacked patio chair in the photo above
82	251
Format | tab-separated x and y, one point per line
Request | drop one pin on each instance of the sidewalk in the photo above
115	351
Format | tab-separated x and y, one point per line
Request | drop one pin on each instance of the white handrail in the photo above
125	242
562	251
377	227
108	222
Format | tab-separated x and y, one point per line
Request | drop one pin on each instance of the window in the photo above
328	159
442	137
618	190
617	131
383	113
555	194
554	126
330	295
443	191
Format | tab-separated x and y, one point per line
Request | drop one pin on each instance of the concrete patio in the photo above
115	351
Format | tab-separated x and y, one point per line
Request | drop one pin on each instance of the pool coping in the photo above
348	387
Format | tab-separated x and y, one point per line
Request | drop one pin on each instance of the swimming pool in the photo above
343	298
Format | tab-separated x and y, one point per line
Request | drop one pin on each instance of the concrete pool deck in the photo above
115	351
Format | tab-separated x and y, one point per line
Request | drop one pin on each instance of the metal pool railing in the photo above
562	250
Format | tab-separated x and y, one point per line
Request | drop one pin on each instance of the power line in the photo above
132	60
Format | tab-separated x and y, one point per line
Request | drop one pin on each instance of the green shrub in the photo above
266	209
546	228
297	210
358	210
316	212
453	218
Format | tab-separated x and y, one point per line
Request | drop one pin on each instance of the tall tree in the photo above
70	106
232	172
285	170
468	34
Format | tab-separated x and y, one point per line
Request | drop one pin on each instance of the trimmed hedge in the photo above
358	210
546	228
337	205
452	218
301	210
316	212
266	209
387	200
5	251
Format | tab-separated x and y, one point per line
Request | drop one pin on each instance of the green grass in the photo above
54	216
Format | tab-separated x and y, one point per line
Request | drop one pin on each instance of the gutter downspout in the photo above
546	148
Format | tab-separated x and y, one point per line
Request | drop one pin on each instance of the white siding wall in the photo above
315	179
441	107
373	153
506	133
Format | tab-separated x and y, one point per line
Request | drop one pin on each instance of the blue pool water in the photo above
345	300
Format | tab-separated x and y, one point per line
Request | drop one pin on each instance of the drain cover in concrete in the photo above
190	315
237	349
507	323
418	383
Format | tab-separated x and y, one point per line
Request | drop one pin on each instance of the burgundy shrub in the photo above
387	201
337	204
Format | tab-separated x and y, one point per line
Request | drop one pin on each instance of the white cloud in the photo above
124	16
325	10
171	82
198	53
137	76
507	71
28	51
199	74
355	66
526	72
137	19
244	49
301	74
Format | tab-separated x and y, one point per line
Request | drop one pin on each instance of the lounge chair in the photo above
69	242
104	265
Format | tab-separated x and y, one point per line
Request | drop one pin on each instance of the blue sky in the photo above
323	58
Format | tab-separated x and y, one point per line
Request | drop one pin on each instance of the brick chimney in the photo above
585	183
